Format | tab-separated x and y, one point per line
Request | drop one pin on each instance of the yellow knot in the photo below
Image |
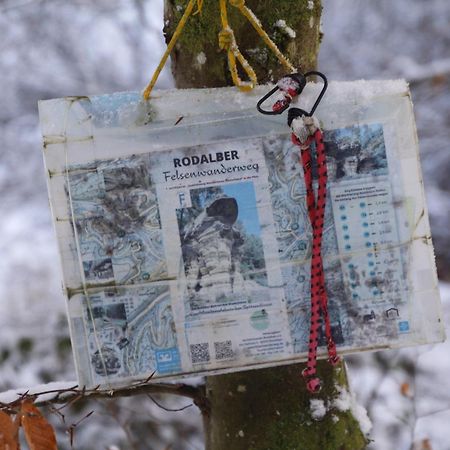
237	3
199	7
226	39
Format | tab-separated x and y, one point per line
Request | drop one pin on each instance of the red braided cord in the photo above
316	213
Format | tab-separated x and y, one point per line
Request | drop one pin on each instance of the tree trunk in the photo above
199	40
266	409
270	409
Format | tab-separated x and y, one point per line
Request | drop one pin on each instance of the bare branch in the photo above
73	393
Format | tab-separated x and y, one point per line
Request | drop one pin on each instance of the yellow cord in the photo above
199	7
248	13
171	44
227	42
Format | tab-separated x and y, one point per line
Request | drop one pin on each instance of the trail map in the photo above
194	256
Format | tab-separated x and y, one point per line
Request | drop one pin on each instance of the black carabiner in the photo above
263	99
301	79
322	92
298	77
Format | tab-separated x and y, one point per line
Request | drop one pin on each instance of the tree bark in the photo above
266	409
200	37
270	409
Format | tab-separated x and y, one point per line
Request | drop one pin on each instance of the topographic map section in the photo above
116	216
130	332
364	278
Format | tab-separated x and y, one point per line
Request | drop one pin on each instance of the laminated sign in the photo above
184	234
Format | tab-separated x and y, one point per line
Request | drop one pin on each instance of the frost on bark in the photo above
267	409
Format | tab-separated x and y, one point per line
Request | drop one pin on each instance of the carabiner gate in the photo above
291	86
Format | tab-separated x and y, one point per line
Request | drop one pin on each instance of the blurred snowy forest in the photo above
53	48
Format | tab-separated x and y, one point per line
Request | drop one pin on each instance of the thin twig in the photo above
168	409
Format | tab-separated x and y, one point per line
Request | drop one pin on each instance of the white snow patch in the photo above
347	402
241	433
310	4
242	388
281	24
259	54
201	58
287	83
343	401
317	408
311	22
334	419
14	394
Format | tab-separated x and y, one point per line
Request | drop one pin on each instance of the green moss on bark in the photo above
270	410
200	35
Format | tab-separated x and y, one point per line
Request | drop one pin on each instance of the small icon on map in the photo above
369	318
392	313
164	356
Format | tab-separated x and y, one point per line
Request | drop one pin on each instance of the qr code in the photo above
199	353
224	350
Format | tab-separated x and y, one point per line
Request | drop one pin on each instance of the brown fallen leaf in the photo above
424	444
405	390
38	432
8	433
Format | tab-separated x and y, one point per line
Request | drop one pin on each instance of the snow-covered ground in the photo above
52	49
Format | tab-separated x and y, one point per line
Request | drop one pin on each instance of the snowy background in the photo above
53	49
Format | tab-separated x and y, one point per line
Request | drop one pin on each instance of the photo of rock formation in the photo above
221	245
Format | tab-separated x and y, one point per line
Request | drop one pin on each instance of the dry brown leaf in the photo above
438	80
8	433
424	444
38	432
405	389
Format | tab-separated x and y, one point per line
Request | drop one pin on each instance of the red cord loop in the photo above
314	385
334	360
306	131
